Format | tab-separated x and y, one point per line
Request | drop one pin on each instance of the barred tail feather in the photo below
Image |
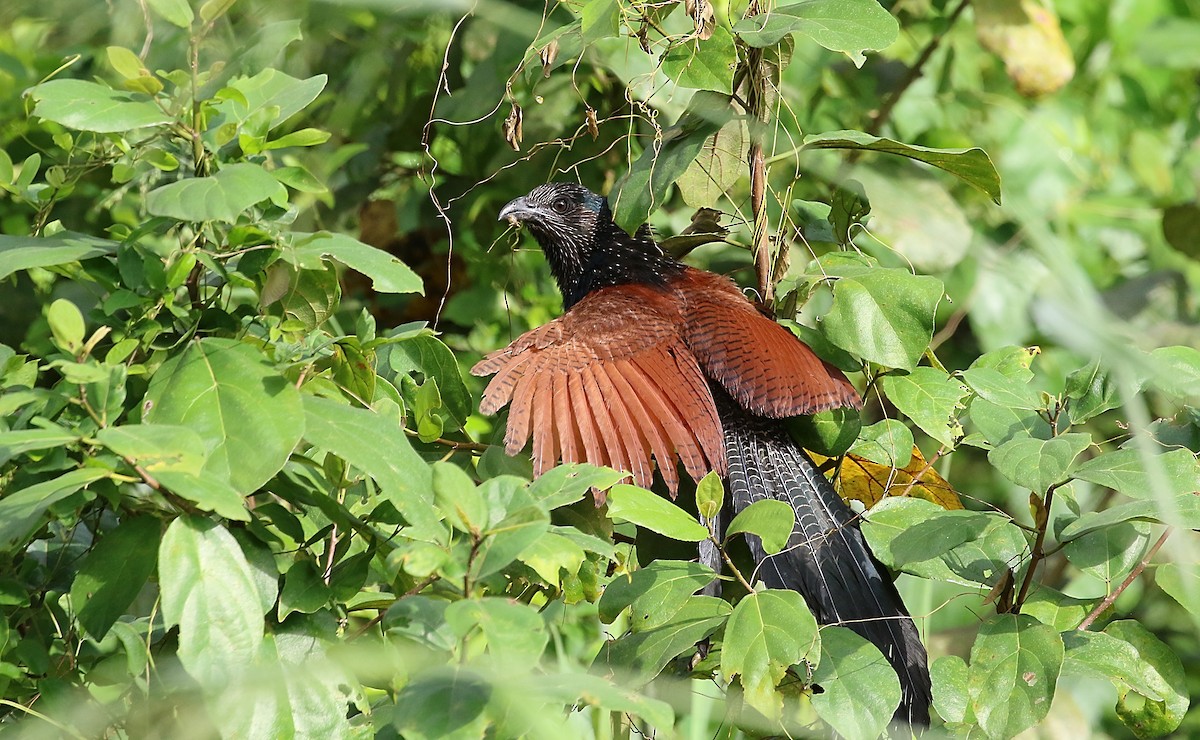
826	559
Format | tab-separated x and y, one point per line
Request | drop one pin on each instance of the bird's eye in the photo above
560	205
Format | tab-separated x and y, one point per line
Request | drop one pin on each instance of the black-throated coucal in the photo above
658	361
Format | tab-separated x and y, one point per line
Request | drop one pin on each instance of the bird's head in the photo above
562	216
584	248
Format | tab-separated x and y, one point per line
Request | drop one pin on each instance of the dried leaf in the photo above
701	12
868	482
512	127
593	126
548	54
1028	38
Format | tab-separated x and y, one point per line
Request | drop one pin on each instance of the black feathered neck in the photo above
614	258
586	250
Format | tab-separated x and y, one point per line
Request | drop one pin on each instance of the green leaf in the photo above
1092	391
114	572
646	509
248	415
950	693
883	315
653	593
456	495
308	297
304	590
771	520
1136	662
768	632
1000	389
505	541
303	137
940	532
861	687
443	702
566	484
972	166
1177	372
848	26
214	9
19	253
267	90
1182	583
516	633
177	12
1182	511
125	62
1014	668
88	106
929	397
1134	473
388	274
703	64
20	441
23	512
642	654
208	590
428	355
979	561
157	447
584	689
888	442
371	443
207	492
220	197
553	553
644	188
998	424
1039	464
1109	553
710	495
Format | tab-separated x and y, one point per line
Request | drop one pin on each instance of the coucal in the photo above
656	360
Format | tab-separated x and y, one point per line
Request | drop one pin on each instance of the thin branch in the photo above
1039	553
914	72
416	589
1108	600
453	444
729	561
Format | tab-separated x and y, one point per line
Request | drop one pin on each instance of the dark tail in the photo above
826	559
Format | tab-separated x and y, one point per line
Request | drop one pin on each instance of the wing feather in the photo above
611	382
762	365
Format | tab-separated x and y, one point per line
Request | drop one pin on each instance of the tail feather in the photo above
826	558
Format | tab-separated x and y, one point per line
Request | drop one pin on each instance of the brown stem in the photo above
913	74
416	589
1108	600
454	444
1039	553
733	568
756	106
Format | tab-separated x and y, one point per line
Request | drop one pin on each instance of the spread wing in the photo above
610	382
763	365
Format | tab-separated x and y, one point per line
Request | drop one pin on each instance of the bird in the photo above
655	362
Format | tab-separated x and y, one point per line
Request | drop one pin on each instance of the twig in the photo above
416	589
1038	553
453	444
756	94
729	561
913	74
1108	600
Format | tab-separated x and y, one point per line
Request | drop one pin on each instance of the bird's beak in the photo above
516	211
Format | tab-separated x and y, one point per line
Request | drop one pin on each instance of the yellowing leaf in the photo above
868	482
1027	37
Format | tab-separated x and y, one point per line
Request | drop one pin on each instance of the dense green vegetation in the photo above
250	249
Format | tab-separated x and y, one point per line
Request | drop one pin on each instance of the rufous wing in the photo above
760	363
611	382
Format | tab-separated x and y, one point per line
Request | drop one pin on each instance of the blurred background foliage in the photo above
439	113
